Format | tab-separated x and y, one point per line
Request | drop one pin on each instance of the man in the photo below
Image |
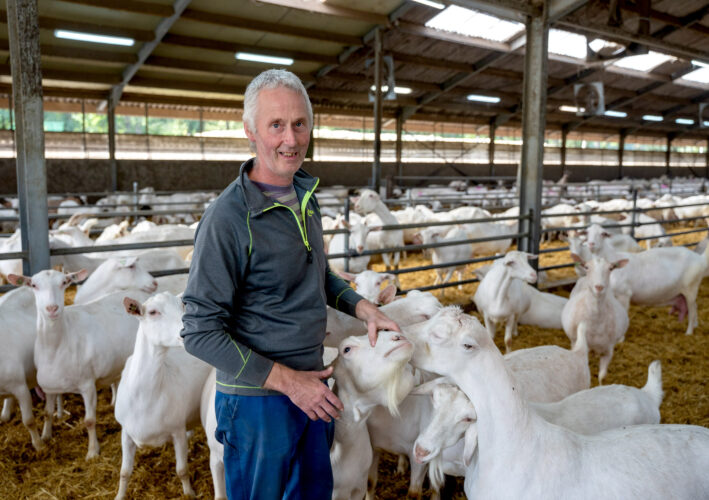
255	306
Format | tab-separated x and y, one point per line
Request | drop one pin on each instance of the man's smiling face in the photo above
281	137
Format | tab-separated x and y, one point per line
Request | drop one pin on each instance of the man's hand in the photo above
375	319
306	390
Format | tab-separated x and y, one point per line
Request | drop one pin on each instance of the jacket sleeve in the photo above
212	289
340	294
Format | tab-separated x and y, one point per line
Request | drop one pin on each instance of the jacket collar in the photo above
256	201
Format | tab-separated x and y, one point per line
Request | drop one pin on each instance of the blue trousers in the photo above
272	450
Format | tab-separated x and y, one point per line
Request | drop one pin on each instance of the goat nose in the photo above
154	284
360	248
52	309
599	288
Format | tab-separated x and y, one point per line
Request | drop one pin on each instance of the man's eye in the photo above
298	124
276	125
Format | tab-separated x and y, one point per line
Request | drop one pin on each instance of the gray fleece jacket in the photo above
258	286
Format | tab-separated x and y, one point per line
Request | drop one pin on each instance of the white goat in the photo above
501	297
369	285
365	377
593	309
452	431
369	202
72	353
676	273
446	254
17	369
115	275
641	461
161	387
357	243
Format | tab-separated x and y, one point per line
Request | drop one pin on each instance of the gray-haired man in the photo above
255	306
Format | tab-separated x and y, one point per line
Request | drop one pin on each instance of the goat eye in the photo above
468	419
153	312
346	350
468	347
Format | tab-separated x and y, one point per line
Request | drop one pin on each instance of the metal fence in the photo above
133	210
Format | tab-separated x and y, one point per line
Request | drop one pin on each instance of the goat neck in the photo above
504	422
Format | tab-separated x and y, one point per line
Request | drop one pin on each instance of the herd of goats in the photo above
525	424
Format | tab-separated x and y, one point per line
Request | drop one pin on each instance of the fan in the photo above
589	99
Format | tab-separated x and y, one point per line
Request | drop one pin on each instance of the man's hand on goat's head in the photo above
375	319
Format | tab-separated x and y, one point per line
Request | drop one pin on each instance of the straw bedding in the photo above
61	472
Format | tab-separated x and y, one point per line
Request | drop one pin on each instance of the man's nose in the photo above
289	137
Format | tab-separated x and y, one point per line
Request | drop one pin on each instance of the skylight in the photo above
90	37
644	62
700	75
246	56
472	23
567	44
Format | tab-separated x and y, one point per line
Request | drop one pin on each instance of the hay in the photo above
60	471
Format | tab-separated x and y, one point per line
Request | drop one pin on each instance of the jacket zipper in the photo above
301	228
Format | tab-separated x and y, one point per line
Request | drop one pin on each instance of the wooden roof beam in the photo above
134	6
160	30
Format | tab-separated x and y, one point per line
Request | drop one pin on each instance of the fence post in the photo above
634	213
135	195
347	234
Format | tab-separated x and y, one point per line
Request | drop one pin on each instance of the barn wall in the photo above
72	175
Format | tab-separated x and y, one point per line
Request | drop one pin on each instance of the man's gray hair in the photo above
272	79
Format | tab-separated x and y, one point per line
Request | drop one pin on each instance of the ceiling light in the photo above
700	63
571	109
653	118
397	90
684	121
89	37
247	56
429	3
483	98
616	114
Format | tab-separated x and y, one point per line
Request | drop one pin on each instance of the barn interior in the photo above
108	97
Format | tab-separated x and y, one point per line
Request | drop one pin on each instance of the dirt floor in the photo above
60	471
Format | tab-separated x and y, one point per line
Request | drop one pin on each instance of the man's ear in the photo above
249	134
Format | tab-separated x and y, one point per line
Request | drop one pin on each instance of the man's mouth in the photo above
287	154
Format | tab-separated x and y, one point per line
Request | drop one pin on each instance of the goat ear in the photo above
481	271
619	264
428	387
470	444
132	306
606	234
347	276
531	256
19	280
78	276
576	258
387	295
